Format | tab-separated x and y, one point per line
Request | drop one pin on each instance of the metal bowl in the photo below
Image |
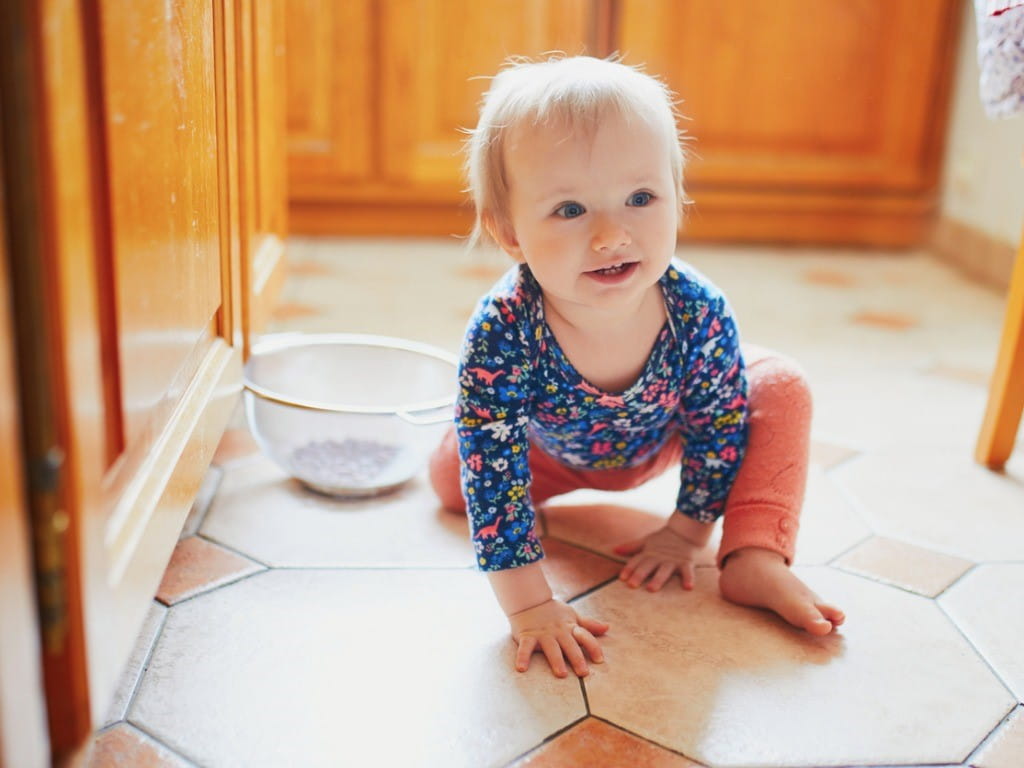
346	414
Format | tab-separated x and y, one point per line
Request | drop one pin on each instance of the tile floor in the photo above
293	630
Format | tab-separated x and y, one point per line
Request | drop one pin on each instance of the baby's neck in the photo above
610	350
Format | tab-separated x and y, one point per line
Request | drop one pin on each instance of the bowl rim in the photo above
412	412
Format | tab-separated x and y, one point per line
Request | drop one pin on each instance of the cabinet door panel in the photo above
431	51
162	160
330	90
785	94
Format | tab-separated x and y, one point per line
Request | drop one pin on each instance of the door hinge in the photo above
50	525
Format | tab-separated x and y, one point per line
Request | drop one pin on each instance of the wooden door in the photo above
23	742
126	255
820	117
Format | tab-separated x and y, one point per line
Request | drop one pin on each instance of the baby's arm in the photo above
538	620
713	413
492	414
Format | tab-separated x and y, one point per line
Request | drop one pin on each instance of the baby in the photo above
599	361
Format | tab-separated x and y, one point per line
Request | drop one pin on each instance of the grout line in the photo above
593	589
991	734
177	753
977	651
958	579
547	739
833	562
145	662
232	549
644	738
201	592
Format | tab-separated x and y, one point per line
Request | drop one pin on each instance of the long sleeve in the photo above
491	419
713	412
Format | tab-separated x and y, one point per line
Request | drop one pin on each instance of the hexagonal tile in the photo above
1006	747
260	512
827	454
903	565
133	668
939	499
571	571
592	742
600	520
731	686
198	566
987	605
126	747
829	525
321	668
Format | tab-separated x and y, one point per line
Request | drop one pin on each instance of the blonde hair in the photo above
577	90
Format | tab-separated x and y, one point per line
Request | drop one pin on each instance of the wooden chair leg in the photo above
1006	393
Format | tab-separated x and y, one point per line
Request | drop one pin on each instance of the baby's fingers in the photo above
663	574
642	570
553	652
589	643
574	653
593	626
527	645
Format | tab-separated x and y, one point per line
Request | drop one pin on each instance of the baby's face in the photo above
593	215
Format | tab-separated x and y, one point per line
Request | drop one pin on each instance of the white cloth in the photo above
1001	56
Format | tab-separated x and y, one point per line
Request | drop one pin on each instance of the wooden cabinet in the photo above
378	93
815	121
812	121
143	173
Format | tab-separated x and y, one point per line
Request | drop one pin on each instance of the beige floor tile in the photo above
126	747
940	500
828	455
829	525
1006	747
895	562
211	481
326	668
198	566
261	513
133	669
600	520
571	571
988	605
597	744
730	686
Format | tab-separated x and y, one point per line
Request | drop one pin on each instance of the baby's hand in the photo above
662	554
561	634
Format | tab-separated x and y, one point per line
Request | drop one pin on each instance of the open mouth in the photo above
613	270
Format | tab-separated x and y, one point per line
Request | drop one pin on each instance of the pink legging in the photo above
763	508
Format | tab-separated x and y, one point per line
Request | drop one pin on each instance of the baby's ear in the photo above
502	233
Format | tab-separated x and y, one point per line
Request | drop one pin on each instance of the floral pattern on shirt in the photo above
517	387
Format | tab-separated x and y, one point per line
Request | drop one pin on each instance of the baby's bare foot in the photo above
759	578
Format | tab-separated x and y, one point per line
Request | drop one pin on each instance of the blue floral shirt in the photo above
517	387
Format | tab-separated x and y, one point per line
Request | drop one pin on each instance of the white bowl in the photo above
346	414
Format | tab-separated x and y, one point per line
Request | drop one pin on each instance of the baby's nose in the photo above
610	236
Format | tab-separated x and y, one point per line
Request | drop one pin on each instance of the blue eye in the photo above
570	210
640	199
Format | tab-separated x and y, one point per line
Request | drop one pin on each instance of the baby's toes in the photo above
805	615
830	612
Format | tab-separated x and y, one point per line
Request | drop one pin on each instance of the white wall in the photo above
984	173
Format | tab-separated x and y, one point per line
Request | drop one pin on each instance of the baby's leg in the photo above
762	512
